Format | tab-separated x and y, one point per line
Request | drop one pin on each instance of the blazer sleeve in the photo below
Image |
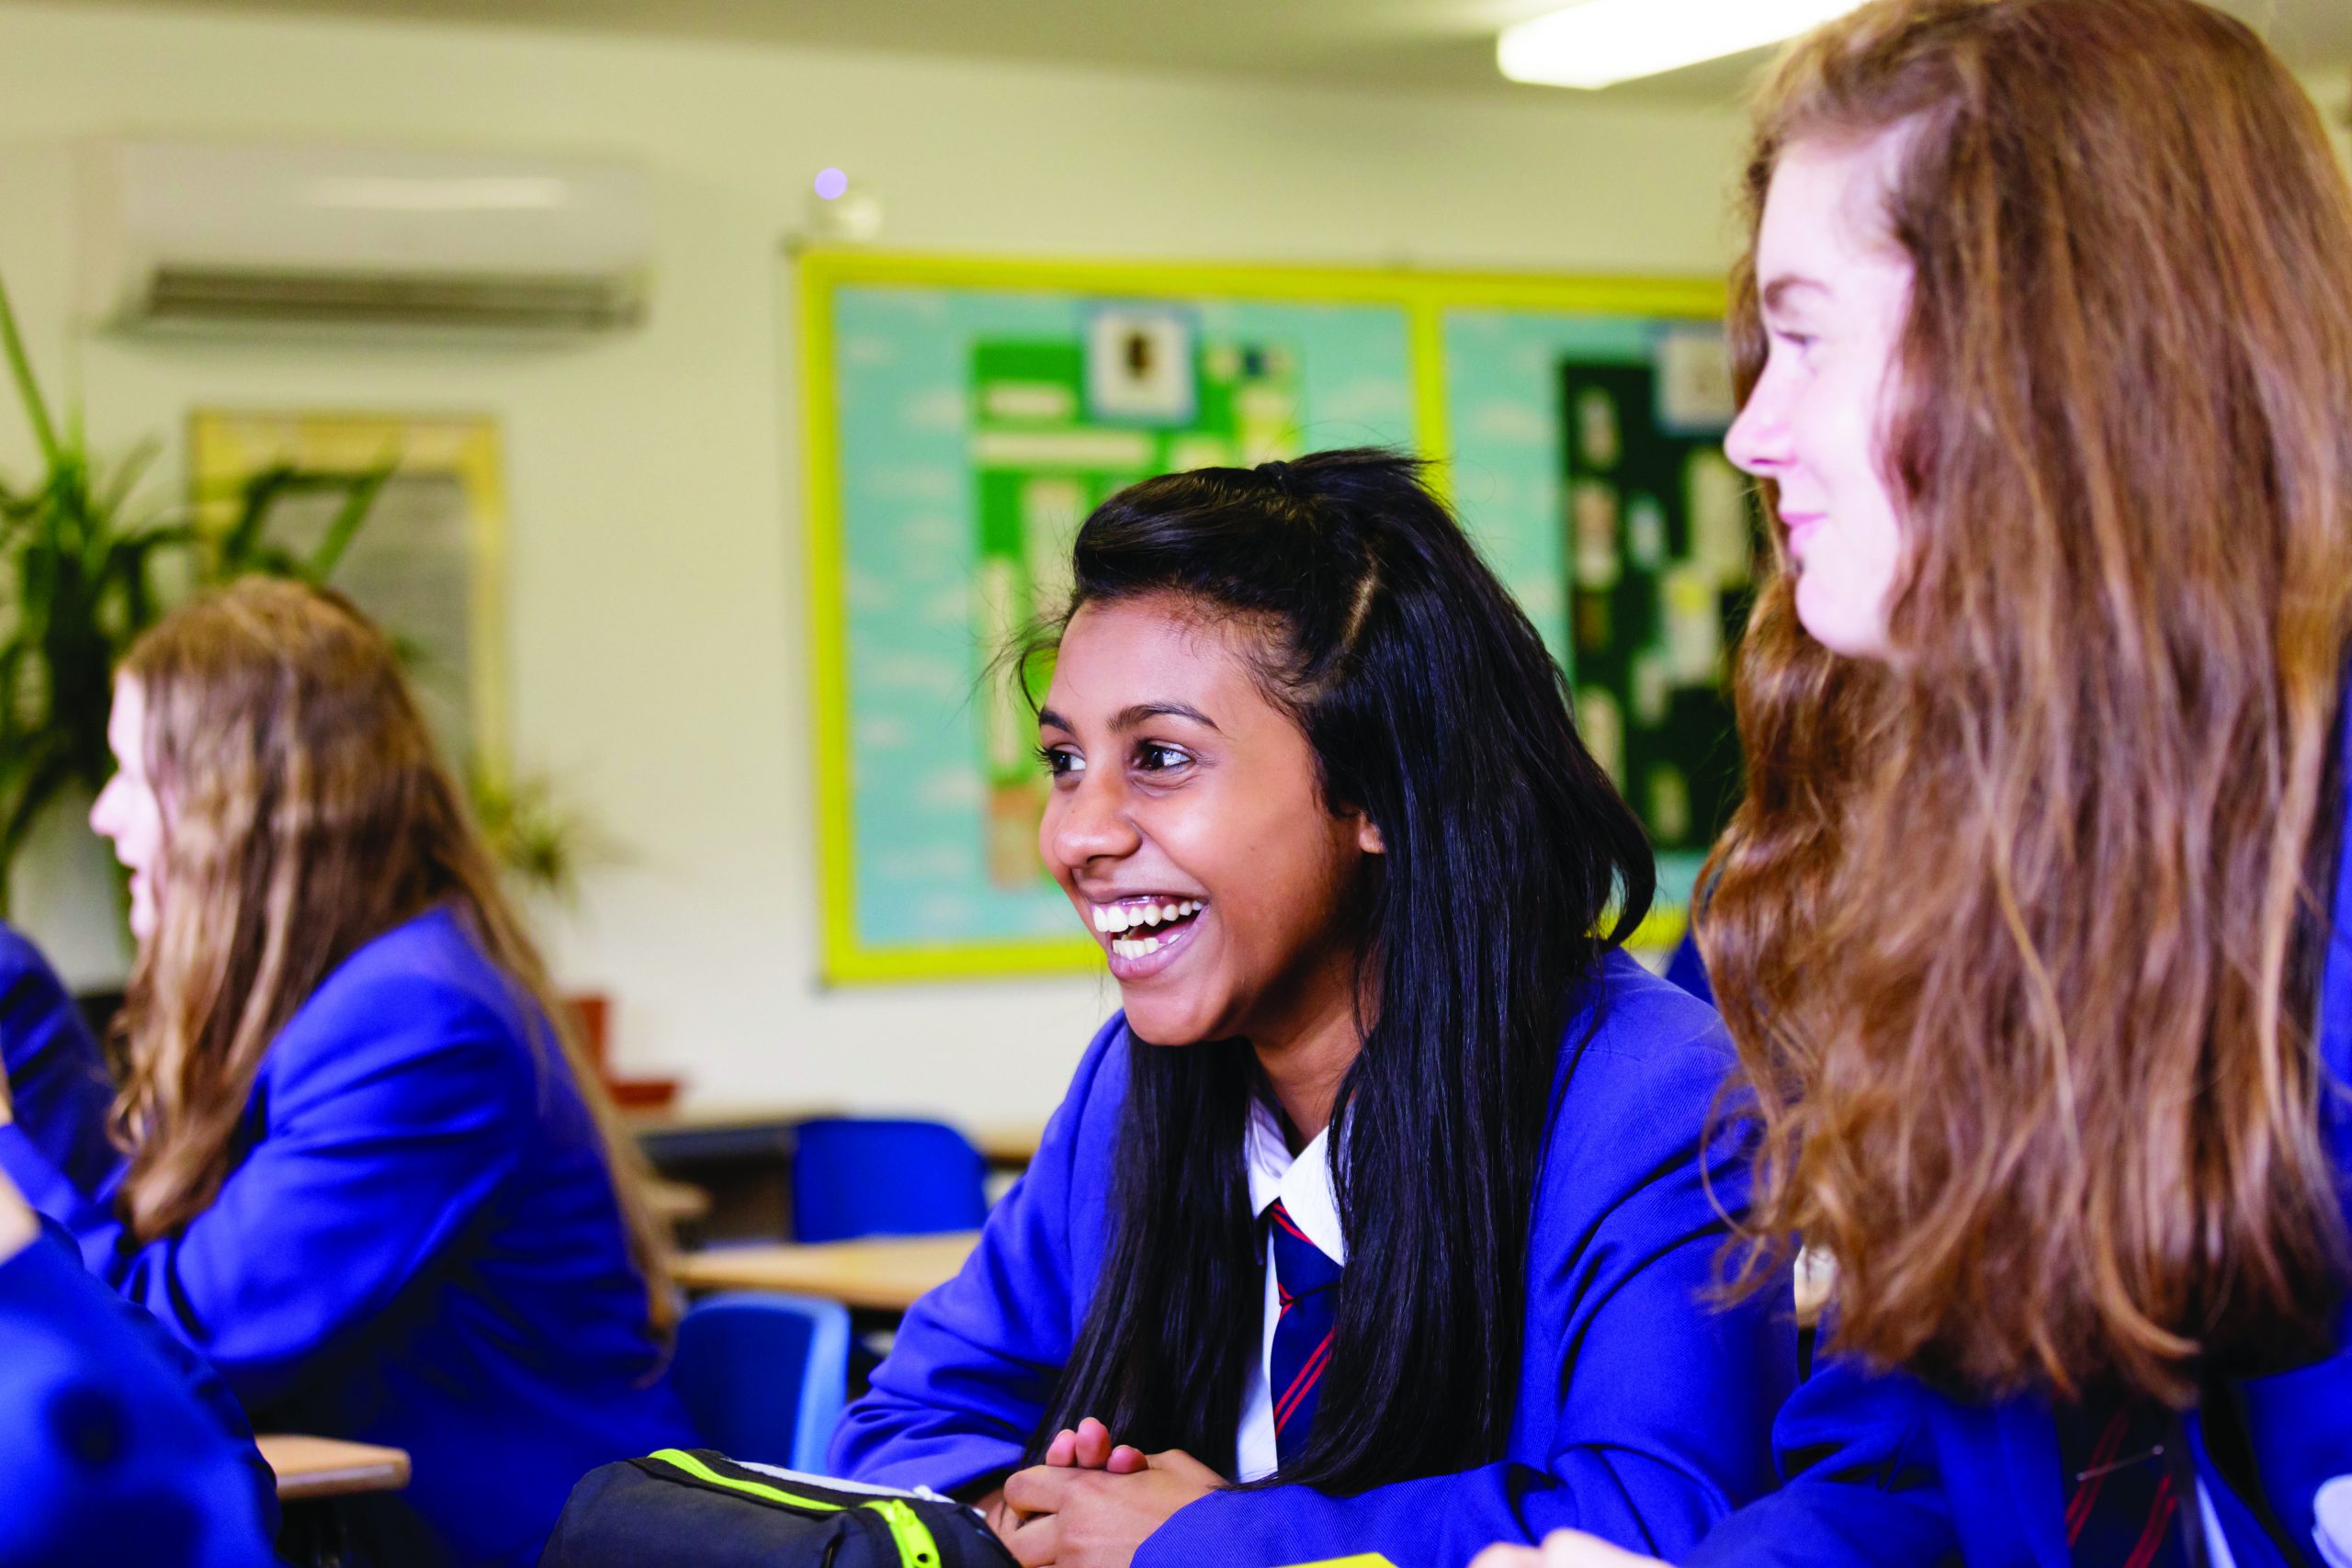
390	1122
112	1454
57	1080
1861	1486
956	1402
1645	1414
195	1375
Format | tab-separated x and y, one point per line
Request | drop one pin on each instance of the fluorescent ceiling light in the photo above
1603	41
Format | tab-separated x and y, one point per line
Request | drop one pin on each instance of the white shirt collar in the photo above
1302	1183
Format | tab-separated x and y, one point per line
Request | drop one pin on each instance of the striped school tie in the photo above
1304	1277
2122	1510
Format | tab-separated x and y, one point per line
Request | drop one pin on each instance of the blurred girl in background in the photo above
367	1174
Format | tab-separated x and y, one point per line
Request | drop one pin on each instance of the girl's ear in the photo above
1368	837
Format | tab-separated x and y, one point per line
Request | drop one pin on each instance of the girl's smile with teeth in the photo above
1129	913
1170	918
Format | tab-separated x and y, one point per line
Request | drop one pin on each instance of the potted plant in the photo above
86	565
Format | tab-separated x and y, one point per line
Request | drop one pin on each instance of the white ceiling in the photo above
1411	45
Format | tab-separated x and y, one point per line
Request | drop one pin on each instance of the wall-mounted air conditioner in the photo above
225	235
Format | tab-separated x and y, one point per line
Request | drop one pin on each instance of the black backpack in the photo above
696	1508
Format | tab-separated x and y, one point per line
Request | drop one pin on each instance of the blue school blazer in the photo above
122	1450
1639	1415
56	1078
419	1246
1688	970
1885	1474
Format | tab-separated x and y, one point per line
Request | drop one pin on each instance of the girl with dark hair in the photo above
1377	1220
2035	927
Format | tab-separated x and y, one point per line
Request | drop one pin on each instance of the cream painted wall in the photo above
656	580
2334	91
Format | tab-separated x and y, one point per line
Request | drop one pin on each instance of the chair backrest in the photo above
765	1375
858	1175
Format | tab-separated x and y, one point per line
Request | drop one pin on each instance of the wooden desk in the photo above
1008	1145
878	1274
707	1117
329	1467
719	1131
676	1202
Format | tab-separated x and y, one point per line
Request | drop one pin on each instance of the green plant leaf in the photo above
132	468
21	370
91	568
48	772
237	546
356	506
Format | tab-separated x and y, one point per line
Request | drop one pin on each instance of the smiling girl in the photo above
1390	1193
2034	929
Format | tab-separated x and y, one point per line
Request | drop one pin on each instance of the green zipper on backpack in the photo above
917	1549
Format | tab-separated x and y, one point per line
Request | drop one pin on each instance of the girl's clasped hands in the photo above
1094	1501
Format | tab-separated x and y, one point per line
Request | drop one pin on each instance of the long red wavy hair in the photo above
2017	930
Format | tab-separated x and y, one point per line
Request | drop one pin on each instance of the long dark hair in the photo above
1511	865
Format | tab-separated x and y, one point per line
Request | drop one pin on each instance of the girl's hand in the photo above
1097	1518
1089	1447
1086	1447
1563	1548
1001	1519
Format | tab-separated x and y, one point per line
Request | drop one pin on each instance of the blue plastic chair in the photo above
856	1175
765	1375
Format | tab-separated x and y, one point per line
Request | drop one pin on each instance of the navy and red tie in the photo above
1304	1277
2122	1510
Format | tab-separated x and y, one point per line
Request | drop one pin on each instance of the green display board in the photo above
965	417
1597	437
1659	565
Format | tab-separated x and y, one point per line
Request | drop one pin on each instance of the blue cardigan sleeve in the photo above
965	1385
1644	1415
112	1458
388	1121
